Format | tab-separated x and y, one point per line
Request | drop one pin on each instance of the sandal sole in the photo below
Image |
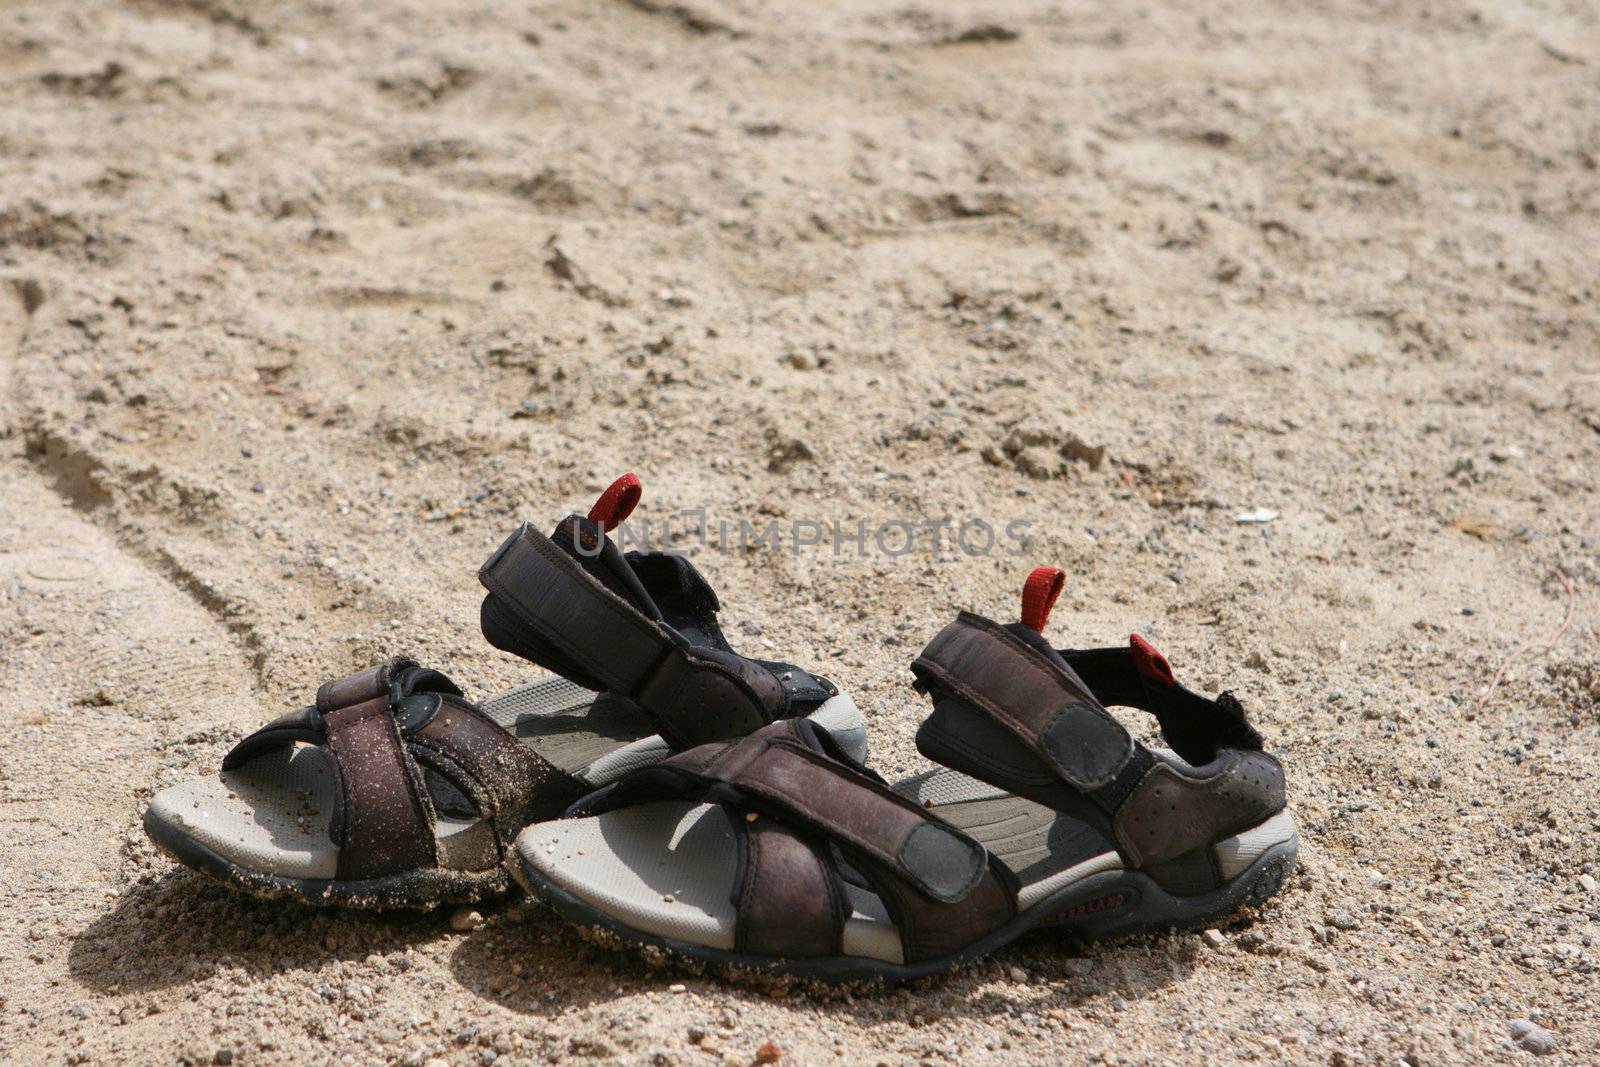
1106	905
421	889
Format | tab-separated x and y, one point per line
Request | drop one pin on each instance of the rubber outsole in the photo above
1101	906
421	889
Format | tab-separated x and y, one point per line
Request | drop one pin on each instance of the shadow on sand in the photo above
181	927
533	962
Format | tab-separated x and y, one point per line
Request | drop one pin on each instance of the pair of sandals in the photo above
683	797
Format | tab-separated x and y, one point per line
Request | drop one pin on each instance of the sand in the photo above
303	306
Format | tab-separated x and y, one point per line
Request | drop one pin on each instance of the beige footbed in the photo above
272	815
667	868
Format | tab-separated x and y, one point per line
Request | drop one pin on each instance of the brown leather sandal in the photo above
394	790
780	854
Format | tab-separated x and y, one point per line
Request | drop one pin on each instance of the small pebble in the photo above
1587	882
1343	920
1531	1037
769	1052
1018	974
465	919
1214	938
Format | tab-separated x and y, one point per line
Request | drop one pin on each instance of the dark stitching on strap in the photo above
752	876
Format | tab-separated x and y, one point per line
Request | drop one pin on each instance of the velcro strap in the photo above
1043	703
388	823
775	772
554	597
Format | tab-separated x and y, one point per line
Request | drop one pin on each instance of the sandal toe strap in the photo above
389	726
790	899
796	801
385	823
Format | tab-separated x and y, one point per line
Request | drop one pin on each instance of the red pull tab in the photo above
617	502
1039	594
1151	663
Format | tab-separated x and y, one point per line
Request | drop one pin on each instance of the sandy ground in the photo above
304	305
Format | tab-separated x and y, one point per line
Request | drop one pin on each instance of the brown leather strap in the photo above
695	694
384	823
782	771
789	904
513	784
942	888
775	771
1040	701
387	821
564	605
306	724
930	929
